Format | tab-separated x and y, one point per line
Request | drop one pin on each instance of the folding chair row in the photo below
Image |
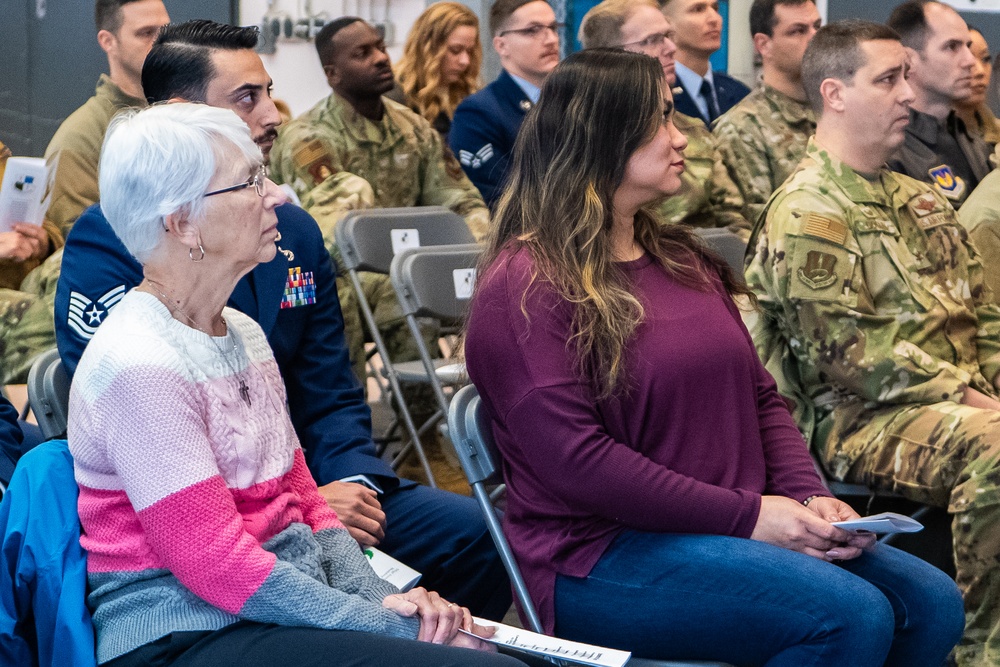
368	241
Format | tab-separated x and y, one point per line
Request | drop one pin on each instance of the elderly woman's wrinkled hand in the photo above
440	620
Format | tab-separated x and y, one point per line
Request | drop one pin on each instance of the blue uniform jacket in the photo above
483	131
44	619
728	90
325	400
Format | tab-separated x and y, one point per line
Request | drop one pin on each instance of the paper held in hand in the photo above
536	644
386	567
886	522
25	191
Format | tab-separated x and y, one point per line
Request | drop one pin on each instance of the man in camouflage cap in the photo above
392	157
875	317
763	138
708	197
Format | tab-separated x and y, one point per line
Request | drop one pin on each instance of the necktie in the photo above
706	92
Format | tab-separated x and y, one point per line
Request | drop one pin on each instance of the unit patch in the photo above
947	183
300	289
818	271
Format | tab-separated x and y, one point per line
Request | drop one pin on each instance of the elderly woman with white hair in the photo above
207	540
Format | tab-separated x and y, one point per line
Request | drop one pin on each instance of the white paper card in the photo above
465	281
886	522
25	191
403	239
532	642
386	567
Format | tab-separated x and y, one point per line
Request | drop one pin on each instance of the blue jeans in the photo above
709	597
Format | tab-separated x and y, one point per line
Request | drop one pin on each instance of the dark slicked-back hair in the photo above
324	39
500	13
180	62
835	53
909	20
762	19
108	14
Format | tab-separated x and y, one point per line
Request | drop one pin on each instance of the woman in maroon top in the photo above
660	498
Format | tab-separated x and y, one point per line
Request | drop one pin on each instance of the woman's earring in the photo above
191	253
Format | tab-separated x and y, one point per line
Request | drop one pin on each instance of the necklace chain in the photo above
244	389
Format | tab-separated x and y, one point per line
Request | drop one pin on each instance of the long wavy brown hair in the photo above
419	70
596	109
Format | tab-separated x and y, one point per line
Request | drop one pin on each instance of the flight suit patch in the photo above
947	183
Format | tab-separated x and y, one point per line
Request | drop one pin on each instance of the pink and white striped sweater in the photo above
197	509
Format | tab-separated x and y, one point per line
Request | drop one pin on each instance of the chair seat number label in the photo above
403	239
465	281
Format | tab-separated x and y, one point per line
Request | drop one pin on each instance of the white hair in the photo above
160	160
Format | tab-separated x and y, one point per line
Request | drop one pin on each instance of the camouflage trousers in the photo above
26	323
946	455
395	332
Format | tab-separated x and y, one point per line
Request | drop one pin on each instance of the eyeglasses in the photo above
257	181
535	30
654	41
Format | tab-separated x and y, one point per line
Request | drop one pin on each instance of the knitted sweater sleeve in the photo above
152	426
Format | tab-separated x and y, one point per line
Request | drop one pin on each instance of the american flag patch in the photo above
825	228
300	289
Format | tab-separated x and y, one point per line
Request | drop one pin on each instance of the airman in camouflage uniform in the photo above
980	215
762	139
708	197
876	319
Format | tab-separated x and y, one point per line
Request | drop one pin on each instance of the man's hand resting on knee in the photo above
358	509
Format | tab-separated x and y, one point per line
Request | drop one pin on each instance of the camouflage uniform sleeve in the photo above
813	269
311	165
988	314
445	184
744	154
980	215
726	198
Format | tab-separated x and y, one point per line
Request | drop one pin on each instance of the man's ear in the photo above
106	40
500	46
762	44
333	77
832	91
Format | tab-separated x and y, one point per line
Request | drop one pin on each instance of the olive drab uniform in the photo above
762	140
708	197
875	318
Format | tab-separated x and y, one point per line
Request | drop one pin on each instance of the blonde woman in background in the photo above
440	64
973	110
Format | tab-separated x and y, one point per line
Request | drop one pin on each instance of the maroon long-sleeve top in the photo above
688	445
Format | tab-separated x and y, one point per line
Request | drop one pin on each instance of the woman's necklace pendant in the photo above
245	392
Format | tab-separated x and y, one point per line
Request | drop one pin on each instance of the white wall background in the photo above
298	77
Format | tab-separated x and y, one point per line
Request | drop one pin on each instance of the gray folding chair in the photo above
48	394
368	240
436	282
473	440
726	243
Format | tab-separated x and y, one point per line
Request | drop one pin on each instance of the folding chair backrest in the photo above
726	243
48	394
368	239
436	281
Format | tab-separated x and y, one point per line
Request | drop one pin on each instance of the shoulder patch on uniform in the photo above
451	165
947	183
825	228
477	159
314	158
818	271
85	315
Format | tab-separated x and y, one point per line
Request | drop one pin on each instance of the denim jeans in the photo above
710	597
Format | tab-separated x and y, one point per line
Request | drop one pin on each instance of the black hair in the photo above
180	63
324	39
910	21
108	14
762	18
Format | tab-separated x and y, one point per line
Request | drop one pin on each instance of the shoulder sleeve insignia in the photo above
825	228
451	166
477	159
85	315
818	271
314	158
947	183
